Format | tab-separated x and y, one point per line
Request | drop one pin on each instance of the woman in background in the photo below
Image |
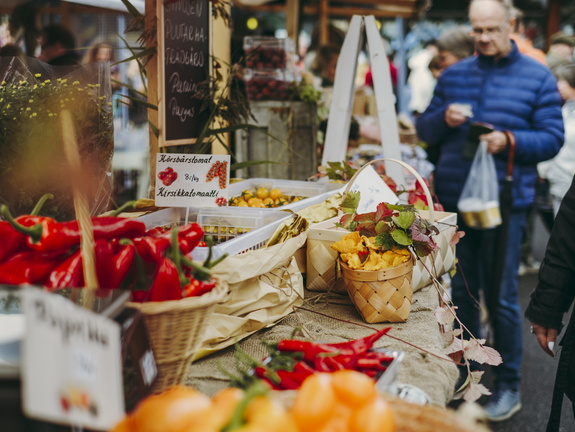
560	170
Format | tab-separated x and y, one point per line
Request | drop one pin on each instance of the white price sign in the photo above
187	180
71	363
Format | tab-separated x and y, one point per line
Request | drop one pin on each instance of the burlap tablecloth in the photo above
332	318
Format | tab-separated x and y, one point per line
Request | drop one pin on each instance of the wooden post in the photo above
323	22
222	51
152	71
292	20
553	16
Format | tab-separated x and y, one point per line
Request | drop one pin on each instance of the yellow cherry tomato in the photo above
262	193
275	194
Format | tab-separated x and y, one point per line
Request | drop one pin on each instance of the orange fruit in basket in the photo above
377	416
276	193
262	193
170	411
353	388
315	403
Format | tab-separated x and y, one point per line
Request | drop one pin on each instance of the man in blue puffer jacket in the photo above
518	96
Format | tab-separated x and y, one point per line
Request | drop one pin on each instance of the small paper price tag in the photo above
187	180
71	363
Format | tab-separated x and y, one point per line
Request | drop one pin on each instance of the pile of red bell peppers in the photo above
152	263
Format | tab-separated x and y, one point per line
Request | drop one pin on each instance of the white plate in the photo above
12	328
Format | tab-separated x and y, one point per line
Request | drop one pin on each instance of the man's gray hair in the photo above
507	6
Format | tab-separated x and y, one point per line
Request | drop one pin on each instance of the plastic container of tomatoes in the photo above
265	52
297	194
266	85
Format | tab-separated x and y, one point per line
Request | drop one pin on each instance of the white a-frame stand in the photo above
340	112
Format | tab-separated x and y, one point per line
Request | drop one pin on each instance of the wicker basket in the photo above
410	417
176	329
380	295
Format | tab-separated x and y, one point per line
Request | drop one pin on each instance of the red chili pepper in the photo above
363	344
113	262
28	267
197	288
152	249
310	350
291	380
12	241
68	274
48	235
368	363
166	285
302	366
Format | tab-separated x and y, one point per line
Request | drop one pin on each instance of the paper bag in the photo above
265	285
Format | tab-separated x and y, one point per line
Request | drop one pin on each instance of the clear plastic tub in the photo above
227	223
268	85
297	194
269	53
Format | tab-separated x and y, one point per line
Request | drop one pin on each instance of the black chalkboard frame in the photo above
185	135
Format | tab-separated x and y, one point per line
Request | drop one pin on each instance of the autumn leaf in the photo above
456	237
475	350
404	219
444	316
401	237
382	227
382	211
350	202
385	241
474	392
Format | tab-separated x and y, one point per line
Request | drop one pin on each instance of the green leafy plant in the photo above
393	226
31	141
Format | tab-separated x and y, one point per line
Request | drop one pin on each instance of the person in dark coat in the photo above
58	45
518	97
552	298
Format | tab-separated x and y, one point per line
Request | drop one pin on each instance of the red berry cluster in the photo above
168	176
264	88
221	202
218	169
266	58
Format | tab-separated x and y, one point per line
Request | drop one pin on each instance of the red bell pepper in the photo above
12	241
68	274
48	235
152	249
166	285
28	267
113	262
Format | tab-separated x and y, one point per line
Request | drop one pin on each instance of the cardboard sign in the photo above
71	363
188	180
184	54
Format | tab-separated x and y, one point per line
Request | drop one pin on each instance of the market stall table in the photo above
332	317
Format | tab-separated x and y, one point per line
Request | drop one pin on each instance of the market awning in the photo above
115	5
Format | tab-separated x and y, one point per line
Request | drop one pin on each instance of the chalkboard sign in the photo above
184	54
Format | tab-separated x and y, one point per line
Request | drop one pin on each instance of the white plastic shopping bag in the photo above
479	200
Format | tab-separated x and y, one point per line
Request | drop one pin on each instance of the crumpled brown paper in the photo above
265	285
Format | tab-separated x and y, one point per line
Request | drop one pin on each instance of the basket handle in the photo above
407	167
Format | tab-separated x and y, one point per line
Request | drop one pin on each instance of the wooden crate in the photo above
288	137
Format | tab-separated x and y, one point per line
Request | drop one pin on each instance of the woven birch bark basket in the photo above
383	295
380	295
